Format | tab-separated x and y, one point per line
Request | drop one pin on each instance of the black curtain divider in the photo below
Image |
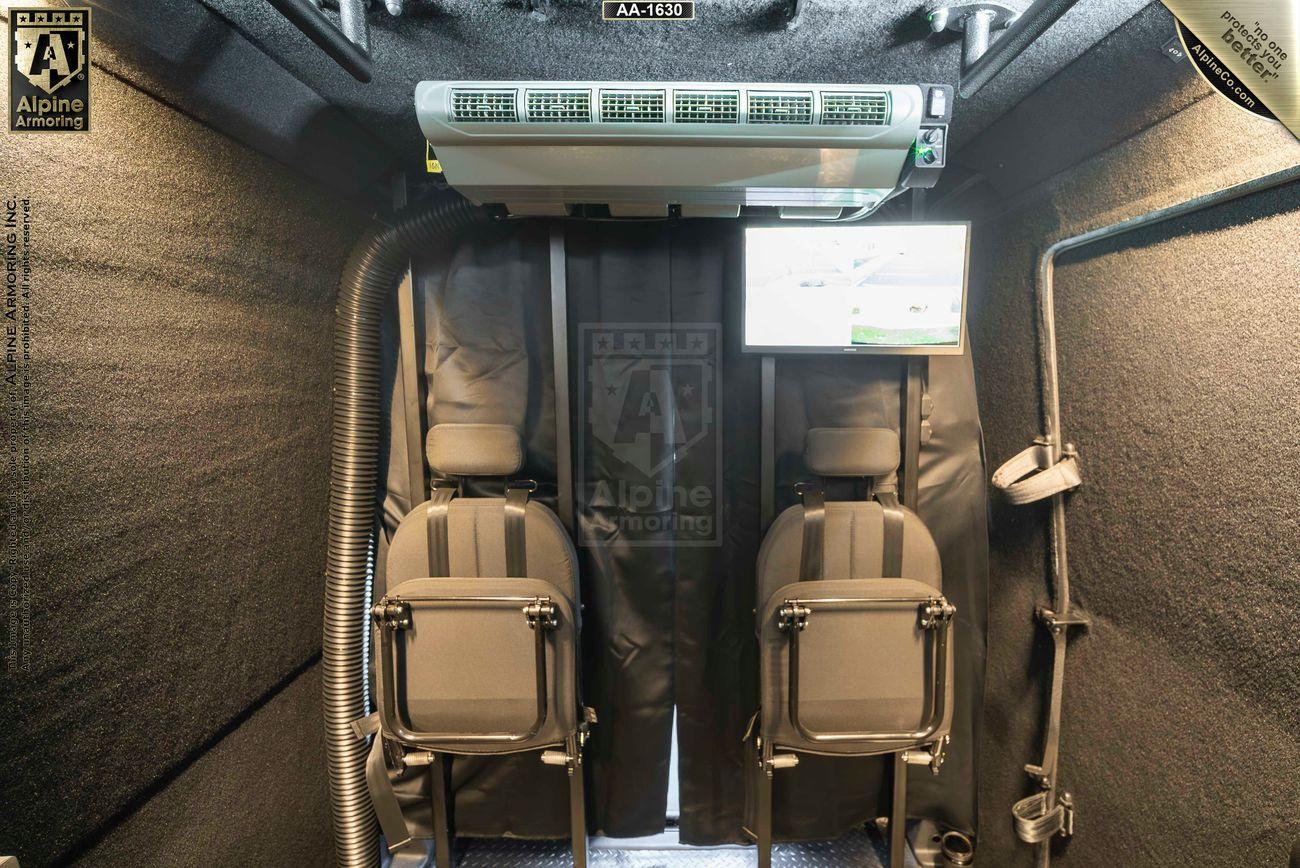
669	624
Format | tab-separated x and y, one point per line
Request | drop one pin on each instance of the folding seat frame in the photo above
544	610
557	730
788	613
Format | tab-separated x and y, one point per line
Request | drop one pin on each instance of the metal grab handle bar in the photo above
348	44
936	616
393	614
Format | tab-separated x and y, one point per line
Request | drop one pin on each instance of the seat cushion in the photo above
854	547
862	667
477	544
469	665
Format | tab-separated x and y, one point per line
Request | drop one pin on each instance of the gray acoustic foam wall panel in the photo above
193	59
257	797
181	320
1180	377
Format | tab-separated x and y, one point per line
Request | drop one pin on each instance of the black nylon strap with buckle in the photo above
811	567
516	538
891	566
436	526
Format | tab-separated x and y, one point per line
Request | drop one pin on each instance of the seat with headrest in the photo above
477	635
492	686
476	537
854	536
854	632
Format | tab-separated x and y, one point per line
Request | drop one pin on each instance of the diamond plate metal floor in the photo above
857	850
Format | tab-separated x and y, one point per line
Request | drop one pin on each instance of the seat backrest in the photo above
853	549
476	544
854	530
476	538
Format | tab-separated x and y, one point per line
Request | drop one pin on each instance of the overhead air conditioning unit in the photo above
539	147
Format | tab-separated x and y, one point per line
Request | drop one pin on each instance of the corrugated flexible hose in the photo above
369	276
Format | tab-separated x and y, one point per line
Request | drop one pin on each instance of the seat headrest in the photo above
851	451
474	449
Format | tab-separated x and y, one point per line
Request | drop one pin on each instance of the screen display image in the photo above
889	288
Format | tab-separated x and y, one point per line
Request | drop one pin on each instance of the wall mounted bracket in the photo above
975	20
348	43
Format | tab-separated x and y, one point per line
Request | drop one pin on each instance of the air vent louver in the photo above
780	108
559	106
855	108
483	106
632	106
706	106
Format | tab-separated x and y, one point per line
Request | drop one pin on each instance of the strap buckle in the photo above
529	485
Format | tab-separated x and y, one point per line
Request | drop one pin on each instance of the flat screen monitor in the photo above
893	288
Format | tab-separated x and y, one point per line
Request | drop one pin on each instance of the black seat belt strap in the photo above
388	810
911	391
811	566
412	373
516	522
891	566
560	349
436	525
